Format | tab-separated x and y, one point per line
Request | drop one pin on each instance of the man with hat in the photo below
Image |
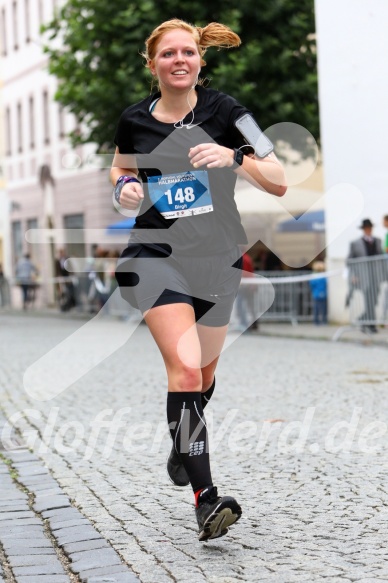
364	275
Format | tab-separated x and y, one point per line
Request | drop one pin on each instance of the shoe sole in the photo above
217	524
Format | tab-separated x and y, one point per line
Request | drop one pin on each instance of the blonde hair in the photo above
213	34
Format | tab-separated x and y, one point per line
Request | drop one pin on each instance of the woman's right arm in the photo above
132	193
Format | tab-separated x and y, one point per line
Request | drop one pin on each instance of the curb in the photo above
43	538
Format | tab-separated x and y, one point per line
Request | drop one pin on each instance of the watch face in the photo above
248	149
238	156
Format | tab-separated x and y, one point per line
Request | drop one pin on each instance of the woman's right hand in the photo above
131	195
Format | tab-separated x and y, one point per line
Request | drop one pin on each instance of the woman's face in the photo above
177	61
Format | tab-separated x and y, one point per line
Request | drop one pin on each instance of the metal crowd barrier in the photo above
292	301
367	297
81	293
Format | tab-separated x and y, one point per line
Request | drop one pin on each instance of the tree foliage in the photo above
94	48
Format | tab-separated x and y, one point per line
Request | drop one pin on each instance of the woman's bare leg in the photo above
168	324
211	340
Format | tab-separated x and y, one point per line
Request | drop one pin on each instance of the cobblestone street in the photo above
298	432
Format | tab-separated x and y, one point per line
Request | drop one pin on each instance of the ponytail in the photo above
218	35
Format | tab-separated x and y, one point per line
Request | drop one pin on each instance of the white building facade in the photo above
47	183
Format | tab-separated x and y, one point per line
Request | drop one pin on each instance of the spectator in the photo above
385	302
367	280
4	289
60	269
65	290
272	261
99	290
245	301
385	224
318	288
26	274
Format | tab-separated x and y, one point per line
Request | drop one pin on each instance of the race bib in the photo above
181	195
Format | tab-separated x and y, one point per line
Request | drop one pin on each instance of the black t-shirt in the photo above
161	149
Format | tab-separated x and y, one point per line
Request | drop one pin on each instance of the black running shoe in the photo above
215	514
176	470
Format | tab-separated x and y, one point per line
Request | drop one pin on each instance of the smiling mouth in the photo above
180	73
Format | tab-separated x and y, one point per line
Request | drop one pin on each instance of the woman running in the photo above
177	159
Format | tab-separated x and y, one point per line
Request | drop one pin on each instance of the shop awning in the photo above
120	226
313	222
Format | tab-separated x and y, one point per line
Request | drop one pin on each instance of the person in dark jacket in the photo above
364	275
26	273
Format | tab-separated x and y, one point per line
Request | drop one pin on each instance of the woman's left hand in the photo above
211	155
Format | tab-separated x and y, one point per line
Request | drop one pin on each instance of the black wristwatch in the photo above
238	158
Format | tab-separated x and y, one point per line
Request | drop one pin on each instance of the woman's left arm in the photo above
265	173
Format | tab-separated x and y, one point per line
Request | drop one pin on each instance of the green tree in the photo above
100	70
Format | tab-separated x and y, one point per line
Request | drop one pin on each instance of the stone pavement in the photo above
299	436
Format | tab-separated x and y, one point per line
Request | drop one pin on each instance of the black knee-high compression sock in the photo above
189	434
207	395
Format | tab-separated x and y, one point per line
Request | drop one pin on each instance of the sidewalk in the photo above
306	330
43	538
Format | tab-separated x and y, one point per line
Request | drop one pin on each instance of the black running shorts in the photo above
149	277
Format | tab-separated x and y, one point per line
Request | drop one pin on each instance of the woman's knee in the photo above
185	379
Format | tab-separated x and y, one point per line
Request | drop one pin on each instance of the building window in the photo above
20	127
75	222
46	118
32	224
3	32
27	17
8	133
17	240
31	112
15	24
